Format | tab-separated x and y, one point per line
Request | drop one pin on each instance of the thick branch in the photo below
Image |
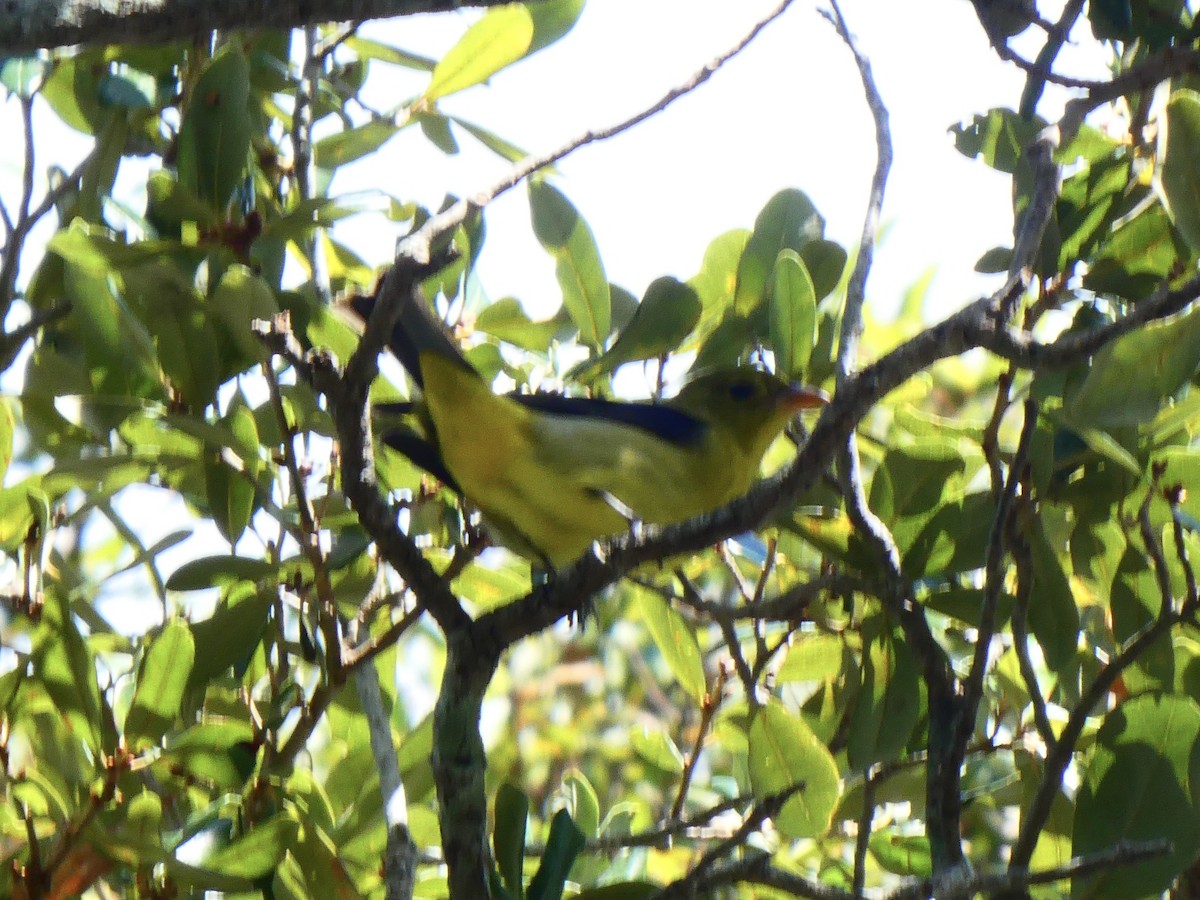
27	25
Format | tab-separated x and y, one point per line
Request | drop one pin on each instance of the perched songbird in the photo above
553	474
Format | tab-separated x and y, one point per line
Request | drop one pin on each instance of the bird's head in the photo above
754	405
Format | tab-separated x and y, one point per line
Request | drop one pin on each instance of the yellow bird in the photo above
551	475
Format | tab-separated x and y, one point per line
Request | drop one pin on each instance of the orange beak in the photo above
800	397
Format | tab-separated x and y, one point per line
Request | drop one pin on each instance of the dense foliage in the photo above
969	641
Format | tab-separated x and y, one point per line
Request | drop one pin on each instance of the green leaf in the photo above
214	132
168	203
184	339
584	805
508	837
6	437
814	657
567	237
65	666
353	143
130	89
903	854
222	753
506	319
784	752
1053	615
657	748
1136	257
788	221
239	299
667	314
1141	784
562	846
675	641
998	138
226	639
232	495
793	314
1131	378
716	282
219	571
498	145
825	262
162	679
503	36
72	90
366	48
258	852
118	348
889	700
1180	172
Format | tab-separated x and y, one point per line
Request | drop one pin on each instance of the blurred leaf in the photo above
230	635
353	143
162	678
65	666
716	282
239	299
1053	615
667	314
508	837
888	702
258	851
377	50
562	846
504	35
675	641
1135	257
1140	786
1131	378
564	233
219	571
498	145
72	89
902	854
793	310
657	748
788	221
584	805
783	753
998	138
814	657
214	131
506	319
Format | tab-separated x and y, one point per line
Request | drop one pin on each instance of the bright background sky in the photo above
788	112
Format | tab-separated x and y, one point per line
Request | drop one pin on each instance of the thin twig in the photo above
1122	853
689	884
1023	558
995	570
708	709
862	840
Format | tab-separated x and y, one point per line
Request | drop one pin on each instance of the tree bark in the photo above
28	25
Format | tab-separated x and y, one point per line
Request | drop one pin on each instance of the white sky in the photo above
789	112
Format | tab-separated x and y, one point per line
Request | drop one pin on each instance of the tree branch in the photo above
27	25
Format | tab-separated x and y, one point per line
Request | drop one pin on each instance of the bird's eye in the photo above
741	391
